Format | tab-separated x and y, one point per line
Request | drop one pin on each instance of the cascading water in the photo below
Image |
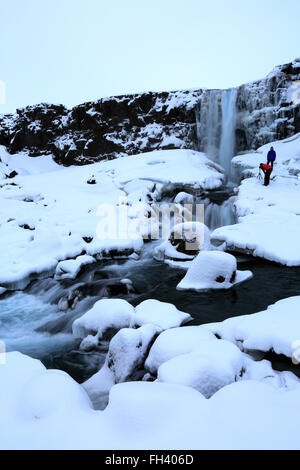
219	215
227	143
208	123
216	122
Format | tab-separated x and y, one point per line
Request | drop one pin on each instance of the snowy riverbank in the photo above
251	406
268	217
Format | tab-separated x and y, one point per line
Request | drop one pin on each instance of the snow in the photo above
42	409
45	199
126	355
262	211
184	198
275	329
175	342
213	270
184	239
211	366
69	269
161	314
105	314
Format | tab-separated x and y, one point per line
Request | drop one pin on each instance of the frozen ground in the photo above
268	216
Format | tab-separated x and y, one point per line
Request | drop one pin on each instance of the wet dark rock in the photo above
12	174
87	239
26	227
92	180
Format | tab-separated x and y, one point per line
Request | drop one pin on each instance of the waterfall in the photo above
215	126
219	215
227	143
208	123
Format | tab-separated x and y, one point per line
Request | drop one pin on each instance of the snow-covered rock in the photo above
106	314
213	270
184	198
42	410
185	240
125	357
175	342
70	268
208	368
262	371
161	314
275	329
109	315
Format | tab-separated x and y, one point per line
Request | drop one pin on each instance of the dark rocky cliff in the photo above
130	124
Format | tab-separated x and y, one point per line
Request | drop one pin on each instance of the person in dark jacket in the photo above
271	157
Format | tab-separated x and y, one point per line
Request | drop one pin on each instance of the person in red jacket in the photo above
267	169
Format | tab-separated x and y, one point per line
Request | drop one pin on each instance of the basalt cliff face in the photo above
264	110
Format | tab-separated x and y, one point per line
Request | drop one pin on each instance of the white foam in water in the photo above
20	315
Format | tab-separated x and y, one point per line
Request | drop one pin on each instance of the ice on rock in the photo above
213	270
175	342
126	356
275	329
213	365
105	314
161	314
70	268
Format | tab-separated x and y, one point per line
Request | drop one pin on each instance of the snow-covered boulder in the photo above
262	371
105	314
213	270
275	329
213	365
185	241
184	198
51	411
69	269
175	342
125	357
161	314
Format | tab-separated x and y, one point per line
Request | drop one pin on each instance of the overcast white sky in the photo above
71	51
